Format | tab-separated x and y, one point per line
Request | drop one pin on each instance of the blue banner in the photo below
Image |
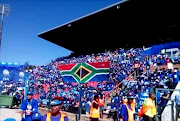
14	72
141	98
8	74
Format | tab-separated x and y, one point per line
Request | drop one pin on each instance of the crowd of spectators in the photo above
46	82
147	80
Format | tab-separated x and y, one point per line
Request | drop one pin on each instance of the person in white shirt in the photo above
170	65
87	106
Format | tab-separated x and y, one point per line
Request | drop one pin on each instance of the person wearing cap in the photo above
127	111
55	114
124	100
148	109
29	106
95	109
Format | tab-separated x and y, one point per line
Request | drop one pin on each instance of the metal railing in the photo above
169	111
114	90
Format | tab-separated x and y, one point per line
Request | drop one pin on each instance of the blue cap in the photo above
130	97
36	116
10	119
56	102
30	93
166	92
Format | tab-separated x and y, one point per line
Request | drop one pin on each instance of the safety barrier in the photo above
6	100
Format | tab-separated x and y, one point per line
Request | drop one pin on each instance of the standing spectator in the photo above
101	107
136	68
177	102
87	106
55	114
17	99
141	69
127	111
147	67
29	106
148	109
114	111
175	78
76	107
162	61
170	65
95	109
163	101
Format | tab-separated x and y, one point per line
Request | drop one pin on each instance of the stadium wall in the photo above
157	48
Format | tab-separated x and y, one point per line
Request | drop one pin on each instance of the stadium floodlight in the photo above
118	7
4	11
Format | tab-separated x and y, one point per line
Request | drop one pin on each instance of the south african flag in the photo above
84	72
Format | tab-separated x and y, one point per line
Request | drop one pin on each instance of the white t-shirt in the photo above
170	66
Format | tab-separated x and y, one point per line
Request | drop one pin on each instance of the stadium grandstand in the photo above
126	24
133	36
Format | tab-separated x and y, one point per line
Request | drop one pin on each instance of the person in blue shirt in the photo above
163	101
114	111
55	114
162	61
177	105
29	106
126	109
36	117
175	78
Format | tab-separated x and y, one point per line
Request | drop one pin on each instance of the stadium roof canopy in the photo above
126	24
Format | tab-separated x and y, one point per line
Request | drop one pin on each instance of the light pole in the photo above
4	11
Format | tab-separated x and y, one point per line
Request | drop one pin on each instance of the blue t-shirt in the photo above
57	118
33	105
29	105
162	62
87	107
124	112
175	78
163	102
115	107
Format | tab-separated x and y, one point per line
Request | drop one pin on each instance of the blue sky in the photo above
27	18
